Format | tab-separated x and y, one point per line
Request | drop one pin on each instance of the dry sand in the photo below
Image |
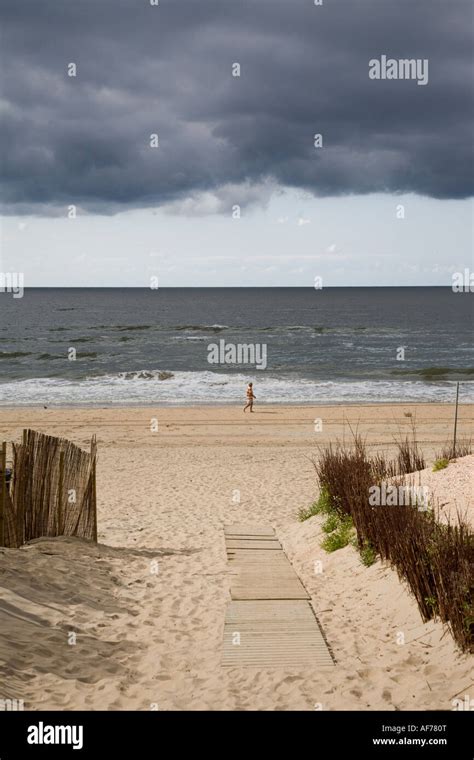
147	605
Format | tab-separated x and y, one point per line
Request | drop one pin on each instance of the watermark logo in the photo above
46	734
463	704
402	68
399	496
11	705
12	282
463	282
238	353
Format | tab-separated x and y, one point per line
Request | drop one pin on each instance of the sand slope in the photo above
147	604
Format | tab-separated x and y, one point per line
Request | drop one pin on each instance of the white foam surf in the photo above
184	388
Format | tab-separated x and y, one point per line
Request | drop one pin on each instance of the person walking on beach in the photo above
250	397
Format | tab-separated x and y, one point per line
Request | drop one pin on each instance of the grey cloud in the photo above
167	69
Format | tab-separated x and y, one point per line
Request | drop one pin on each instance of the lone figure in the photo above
250	398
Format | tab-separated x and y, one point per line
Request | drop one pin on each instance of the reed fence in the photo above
50	490
435	560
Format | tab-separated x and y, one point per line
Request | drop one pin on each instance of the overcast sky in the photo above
386	199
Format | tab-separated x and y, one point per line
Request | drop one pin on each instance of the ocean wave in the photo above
144	374
239	329
145	387
434	373
130	328
14	354
285	329
191	338
118	328
79	355
201	328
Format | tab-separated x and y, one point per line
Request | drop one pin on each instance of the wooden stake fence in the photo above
3	499
456	420
60	493
45	471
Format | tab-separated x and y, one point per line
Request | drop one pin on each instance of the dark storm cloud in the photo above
167	69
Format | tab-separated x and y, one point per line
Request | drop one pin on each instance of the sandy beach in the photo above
147	604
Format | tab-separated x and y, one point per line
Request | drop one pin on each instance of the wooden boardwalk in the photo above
270	621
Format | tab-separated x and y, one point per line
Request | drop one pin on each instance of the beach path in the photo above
269	622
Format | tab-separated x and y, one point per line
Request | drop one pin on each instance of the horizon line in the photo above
222	287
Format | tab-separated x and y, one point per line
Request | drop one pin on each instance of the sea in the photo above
179	346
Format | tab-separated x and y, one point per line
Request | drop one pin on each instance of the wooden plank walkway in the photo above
269	622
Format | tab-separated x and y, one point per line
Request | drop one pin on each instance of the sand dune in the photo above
147	604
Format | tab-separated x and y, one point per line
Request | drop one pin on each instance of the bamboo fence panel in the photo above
53	490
